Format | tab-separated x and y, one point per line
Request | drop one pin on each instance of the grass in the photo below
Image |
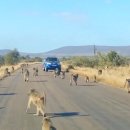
115	76
16	67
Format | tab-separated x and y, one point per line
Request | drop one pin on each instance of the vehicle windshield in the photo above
51	59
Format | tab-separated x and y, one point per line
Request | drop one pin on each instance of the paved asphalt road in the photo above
88	106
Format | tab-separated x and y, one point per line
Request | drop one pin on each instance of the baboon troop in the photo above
38	100
73	78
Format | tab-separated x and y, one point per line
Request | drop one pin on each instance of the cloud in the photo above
77	17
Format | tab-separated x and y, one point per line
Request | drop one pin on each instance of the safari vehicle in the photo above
51	63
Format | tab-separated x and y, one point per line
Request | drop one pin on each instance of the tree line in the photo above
14	57
112	58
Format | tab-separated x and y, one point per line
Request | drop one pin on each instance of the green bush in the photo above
100	60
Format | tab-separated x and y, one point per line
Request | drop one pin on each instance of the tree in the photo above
1	60
114	58
12	57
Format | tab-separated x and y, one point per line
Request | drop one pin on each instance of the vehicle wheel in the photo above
46	69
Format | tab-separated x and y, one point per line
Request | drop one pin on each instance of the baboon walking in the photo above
99	72
22	70
35	73
47	124
39	101
95	78
6	72
12	69
86	79
62	74
73	77
26	75
128	85
56	72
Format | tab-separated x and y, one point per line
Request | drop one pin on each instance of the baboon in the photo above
95	78
99	72
39	101
22	70
62	74
56	72
47	124
12	69
26	75
67	70
73	77
128	85
86	79
35	73
6	72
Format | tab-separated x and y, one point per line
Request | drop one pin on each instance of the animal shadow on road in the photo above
38	81
7	94
65	114
53	128
44	75
3	87
88	84
2	108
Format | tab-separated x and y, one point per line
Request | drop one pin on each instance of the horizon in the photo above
67	46
41	26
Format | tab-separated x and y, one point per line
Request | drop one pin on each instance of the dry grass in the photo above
115	77
16	67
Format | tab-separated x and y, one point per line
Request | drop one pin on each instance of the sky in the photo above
43	25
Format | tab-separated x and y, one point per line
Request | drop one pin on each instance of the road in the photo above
90	106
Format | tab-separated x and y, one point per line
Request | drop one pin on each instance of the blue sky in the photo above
43	25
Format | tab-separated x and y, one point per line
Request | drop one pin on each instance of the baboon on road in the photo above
62	74
6	72
22	70
86	79
47	124
39	101
128	85
12	69
73	77
26	75
35	71
56	72
99	72
95	78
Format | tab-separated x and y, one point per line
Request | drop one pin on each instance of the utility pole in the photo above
94	50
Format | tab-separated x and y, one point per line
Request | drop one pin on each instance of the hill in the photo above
88	50
77	51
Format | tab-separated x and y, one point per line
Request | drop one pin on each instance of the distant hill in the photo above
88	50
4	51
32	54
77	51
